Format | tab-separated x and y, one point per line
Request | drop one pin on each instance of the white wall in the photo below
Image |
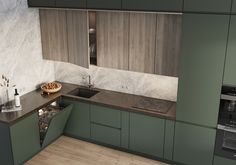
20	46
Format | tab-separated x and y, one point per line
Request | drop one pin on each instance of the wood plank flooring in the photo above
69	151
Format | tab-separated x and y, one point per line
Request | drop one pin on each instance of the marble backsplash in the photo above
149	85
20	47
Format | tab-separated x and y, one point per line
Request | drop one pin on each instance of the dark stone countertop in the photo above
34	101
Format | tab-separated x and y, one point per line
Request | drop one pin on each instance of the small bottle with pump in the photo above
17	99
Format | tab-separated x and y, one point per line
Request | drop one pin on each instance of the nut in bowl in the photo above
52	87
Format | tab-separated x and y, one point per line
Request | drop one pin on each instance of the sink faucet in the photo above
90	85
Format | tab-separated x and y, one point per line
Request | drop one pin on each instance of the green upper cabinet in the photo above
146	135
194	145
207	6
230	64
234	7
201	68
78	124
41	3
25	139
104	4
153	5
71	3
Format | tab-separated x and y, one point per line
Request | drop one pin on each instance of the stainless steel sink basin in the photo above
83	92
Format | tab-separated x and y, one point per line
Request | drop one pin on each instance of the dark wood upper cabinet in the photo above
153	5
41	3
71	3
54	34
208	6
104	4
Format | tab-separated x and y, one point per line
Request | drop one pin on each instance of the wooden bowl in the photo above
52	87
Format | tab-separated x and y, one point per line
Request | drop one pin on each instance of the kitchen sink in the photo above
83	92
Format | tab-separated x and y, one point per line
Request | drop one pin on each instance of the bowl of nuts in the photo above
52	87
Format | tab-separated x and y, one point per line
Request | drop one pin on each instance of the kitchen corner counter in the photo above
34	101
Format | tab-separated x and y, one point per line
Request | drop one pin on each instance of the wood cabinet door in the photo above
153	5
142	35
204	39
71	3
146	134
104	4
56	126
54	34
207	6
78	124
77	35
25	138
230	63
193	145
41	3
112	39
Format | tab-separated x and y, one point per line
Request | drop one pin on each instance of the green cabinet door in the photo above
234	7
207	6
169	139
105	135
25	139
71	3
78	124
56	126
153	5
105	116
104	4
194	145
230	63
146	134
41	3
223	161
204	41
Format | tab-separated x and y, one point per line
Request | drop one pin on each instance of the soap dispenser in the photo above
17	99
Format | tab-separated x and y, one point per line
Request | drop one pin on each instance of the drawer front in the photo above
209	6
104	4
105	116
223	161
106	135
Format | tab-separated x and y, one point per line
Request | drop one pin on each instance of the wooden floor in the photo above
69	151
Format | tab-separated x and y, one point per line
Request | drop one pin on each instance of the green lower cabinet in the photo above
223	161
153	5
105	116
125	129
104	4
207	6
193	145
78	124
106	135
169	139
146	135
230	63
25	139
56	126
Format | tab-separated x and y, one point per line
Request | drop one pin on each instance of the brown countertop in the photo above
34	101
